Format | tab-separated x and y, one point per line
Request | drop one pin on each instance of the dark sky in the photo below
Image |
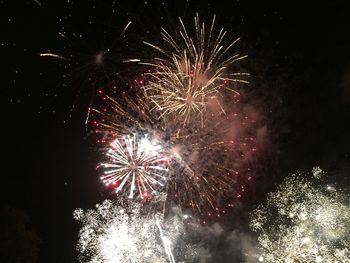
299	58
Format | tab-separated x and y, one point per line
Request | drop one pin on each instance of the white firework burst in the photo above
136	162
114	234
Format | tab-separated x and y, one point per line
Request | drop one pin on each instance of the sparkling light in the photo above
303	222
184	100
114	234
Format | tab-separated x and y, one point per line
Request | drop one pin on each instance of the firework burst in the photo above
135	161
191	70
303	222
118	233
194	163
206	159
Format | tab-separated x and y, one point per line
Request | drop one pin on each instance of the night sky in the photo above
299	61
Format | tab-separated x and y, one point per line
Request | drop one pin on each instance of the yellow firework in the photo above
191	70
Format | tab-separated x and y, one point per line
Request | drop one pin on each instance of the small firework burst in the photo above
191	70
303	222
84	64
135	162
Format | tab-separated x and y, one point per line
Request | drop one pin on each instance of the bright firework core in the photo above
114	234
136	162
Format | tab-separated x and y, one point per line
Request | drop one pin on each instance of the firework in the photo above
135	161
208	157
210	165
54	56
112	233
303	222
191	71
204	165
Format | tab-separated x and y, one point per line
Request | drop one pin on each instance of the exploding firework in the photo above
204	166
303	222
208	158
192	70
138	162
114	233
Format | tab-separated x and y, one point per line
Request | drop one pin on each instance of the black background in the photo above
299	58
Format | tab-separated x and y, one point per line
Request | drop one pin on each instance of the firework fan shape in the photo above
191	70
303	222
135	161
